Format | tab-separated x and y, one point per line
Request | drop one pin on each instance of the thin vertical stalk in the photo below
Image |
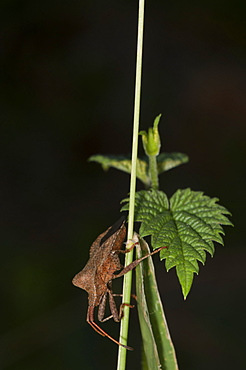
129	256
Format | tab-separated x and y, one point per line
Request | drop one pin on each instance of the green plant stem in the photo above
129	256
153	172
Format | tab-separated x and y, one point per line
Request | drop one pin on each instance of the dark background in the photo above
67	86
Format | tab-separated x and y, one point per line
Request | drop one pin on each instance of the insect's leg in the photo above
101	308
113	307
127	250
102	304
90	320
116	316
121	314
121	295
135	263
106	318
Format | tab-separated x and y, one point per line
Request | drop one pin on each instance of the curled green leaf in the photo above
154	328
151	139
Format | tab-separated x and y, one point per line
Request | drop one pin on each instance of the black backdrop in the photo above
67	83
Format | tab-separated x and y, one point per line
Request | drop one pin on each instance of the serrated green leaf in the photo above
188	225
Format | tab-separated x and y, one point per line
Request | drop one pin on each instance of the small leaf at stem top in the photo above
151	140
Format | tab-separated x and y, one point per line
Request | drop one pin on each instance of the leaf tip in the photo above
185	293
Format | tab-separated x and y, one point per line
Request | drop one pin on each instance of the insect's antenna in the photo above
99	330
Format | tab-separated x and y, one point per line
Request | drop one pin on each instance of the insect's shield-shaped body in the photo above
97	275
102	264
